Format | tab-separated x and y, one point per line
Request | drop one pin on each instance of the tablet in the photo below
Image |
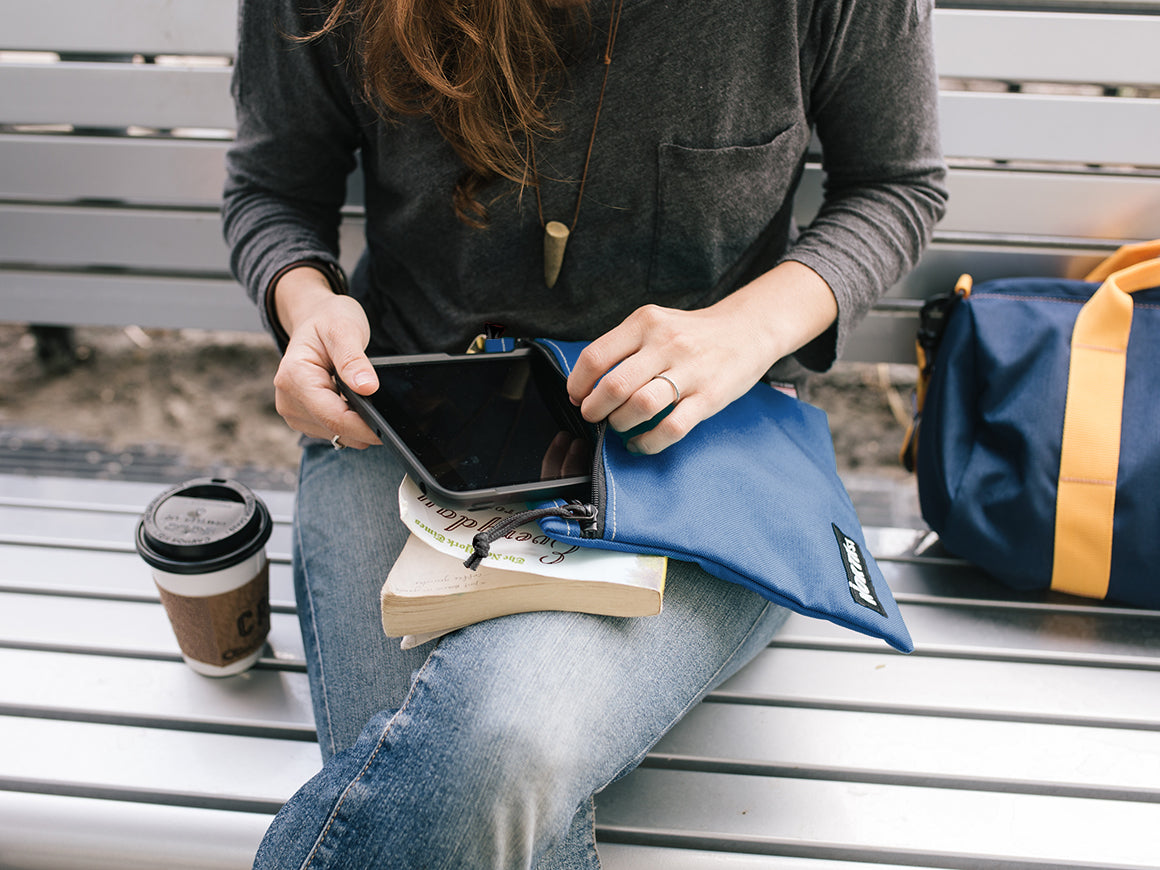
481	429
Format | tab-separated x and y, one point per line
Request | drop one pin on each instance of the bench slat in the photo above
167	241
1001	690
946	581
262	702
989	756
1044	204
149	240
121	26
1114	7
1040	128
99	530
1069	206
116	95
883	337
99	299
944	827
1044	634
253	774
1004	44
160	171
109	496
51	622
48	832
106	574
621	856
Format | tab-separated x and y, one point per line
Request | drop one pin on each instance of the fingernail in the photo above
362	379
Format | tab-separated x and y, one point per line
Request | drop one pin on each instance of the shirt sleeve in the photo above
875	105
297	134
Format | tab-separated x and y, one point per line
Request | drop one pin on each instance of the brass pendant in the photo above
555	240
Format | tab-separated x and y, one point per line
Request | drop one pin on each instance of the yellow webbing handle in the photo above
1090	456
1125	256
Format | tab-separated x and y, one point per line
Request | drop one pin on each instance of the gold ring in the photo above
676	389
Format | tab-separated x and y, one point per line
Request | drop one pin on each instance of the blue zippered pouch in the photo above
752	495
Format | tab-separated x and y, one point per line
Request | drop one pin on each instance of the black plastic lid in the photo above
202	525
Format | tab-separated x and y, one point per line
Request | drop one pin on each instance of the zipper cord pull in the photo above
482	542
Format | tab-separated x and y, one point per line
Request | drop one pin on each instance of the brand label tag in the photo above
857	574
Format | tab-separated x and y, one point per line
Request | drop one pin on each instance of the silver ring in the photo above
676	389
336	444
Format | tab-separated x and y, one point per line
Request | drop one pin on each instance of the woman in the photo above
667	138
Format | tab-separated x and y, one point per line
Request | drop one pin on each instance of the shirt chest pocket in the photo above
712	204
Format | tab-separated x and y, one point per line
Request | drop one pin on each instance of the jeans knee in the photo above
522	758
513	783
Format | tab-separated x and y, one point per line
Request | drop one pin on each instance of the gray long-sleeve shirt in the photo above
709	111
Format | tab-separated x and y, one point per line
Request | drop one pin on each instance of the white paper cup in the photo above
205	541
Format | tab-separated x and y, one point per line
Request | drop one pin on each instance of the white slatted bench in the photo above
1023	733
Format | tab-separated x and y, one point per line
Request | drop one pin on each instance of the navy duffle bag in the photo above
1038	433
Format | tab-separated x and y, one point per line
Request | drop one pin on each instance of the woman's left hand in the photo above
712	356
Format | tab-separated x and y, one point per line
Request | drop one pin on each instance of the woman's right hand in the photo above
328	335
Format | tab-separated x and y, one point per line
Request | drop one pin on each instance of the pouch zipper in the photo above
594	527
591	526
589	516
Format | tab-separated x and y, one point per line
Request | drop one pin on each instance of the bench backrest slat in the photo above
1047	46
150	27
116	95
1051	128
160	241
96	299
146	170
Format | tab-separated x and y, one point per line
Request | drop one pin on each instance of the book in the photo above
429	591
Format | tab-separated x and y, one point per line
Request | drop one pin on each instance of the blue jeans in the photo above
483	749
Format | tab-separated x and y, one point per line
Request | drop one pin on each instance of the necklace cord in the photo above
613	28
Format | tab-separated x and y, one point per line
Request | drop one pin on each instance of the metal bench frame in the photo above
1024	732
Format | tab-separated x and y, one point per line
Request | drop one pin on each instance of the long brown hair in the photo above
484	71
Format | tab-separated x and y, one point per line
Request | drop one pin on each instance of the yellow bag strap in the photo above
1090	456
1125	256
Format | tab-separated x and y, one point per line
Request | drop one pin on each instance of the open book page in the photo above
524	549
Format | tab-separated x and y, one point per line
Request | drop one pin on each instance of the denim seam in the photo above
592	824
370	760
314	630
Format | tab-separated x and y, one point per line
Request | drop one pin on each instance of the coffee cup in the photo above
206	543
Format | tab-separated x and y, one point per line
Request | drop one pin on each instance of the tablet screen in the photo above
489	420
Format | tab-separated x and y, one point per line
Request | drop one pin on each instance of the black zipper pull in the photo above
481	543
